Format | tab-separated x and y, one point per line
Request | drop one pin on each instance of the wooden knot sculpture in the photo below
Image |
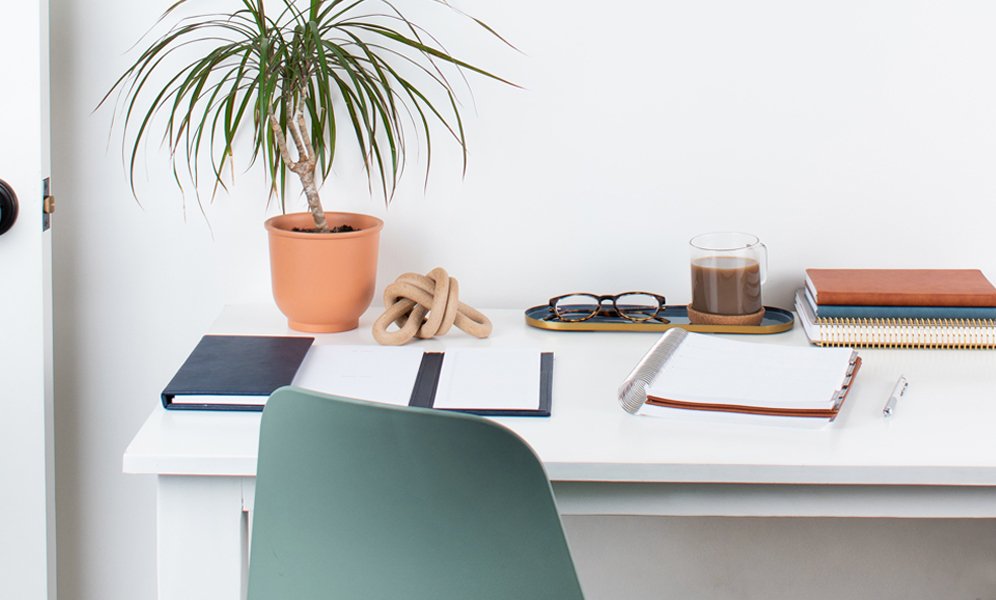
425	306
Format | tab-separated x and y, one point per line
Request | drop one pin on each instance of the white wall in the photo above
856	133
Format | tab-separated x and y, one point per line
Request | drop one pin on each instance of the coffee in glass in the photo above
727	271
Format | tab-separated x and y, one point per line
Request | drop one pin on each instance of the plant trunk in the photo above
314	202
304	167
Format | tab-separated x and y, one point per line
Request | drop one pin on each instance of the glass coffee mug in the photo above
728	269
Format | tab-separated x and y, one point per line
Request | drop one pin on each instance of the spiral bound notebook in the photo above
697	372
894	332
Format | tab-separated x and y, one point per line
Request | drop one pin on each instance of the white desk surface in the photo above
942	433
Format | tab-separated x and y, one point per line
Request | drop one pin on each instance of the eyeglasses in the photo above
632	306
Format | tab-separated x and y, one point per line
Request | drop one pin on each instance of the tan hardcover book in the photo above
901	287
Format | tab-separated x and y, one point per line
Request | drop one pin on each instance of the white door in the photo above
27	523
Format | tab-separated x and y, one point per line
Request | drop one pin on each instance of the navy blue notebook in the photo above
235	372
826	313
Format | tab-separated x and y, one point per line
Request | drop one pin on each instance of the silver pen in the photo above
897	392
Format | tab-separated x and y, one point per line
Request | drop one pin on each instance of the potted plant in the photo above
298	79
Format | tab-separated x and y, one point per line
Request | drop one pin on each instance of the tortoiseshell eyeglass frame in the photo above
599	308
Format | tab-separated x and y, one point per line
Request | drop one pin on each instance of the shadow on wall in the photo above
647	558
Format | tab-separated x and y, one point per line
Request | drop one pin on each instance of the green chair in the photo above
359	500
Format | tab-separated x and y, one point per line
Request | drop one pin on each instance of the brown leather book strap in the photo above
738	408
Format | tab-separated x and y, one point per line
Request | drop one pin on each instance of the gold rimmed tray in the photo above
776	320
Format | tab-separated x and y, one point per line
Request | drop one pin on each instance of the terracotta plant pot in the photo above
323	282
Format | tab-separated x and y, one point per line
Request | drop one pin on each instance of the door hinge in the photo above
48	204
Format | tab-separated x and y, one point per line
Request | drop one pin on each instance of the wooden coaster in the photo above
704	318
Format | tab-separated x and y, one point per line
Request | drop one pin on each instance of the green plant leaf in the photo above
362	63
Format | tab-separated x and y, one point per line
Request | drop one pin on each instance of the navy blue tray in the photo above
776	320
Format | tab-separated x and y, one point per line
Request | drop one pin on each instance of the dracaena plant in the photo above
300	76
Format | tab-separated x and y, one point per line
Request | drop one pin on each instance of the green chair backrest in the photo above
360	500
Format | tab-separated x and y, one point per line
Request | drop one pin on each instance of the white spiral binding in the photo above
971	334
633	391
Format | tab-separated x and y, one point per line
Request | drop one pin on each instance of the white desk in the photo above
936	458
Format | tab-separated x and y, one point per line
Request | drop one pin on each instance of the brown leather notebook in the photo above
901	287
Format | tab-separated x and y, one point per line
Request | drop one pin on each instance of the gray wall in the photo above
858	133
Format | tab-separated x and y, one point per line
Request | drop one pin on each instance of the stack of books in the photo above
898	308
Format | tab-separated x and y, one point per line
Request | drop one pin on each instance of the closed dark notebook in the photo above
235	372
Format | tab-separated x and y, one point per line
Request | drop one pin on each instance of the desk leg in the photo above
202	538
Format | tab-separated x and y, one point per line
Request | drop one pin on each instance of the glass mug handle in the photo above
763	260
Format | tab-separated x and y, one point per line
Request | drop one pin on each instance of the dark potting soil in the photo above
336	229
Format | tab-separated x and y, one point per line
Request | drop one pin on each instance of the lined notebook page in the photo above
489	379
721	371
378	374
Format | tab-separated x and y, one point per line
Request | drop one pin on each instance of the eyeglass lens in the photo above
637	307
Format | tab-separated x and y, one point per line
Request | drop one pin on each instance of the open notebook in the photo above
691	371
484	381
